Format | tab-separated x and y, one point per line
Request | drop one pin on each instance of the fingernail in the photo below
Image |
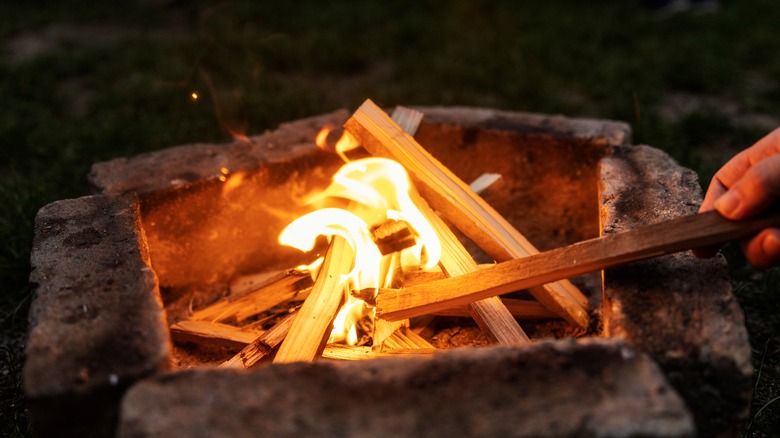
728	204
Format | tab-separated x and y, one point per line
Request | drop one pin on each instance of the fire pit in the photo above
171	232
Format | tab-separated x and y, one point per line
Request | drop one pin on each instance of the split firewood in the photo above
257	298
520	309
392	235
383	329
212	333
486	183
311	327
344	352
261	347
667	237
404	339
456	202
490	314
424	326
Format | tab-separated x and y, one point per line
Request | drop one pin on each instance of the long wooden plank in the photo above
591	255
458	203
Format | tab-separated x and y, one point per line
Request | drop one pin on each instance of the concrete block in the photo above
678	309
597	387
96	321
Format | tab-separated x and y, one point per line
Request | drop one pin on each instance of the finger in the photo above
715	191
763	250
751	194
735	168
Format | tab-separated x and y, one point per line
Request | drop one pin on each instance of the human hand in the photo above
744	187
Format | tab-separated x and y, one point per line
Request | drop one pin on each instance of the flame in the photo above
344	144
322	137
302	233
232	181
379	189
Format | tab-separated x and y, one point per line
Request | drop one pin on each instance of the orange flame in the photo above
379	190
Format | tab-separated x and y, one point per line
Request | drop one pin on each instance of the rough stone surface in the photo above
678	309
182	165
596	387
96	320
599	131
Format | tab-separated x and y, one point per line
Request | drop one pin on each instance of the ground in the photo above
83	83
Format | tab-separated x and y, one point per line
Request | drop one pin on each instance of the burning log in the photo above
254	299
591	255
212	333
452	198
262	346
309	331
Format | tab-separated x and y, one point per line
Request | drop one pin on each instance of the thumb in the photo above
754	192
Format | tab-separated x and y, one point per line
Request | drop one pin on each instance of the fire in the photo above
344	144
377	190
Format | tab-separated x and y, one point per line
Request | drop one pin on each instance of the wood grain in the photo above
591	255
454	200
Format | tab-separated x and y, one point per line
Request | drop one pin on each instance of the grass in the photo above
117	80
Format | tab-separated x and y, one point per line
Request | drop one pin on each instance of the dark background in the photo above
83	82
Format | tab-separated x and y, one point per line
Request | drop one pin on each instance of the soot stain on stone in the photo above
84	238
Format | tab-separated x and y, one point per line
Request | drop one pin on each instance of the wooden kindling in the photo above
254	298
262	346
212	333
676	235
491	315
312	324
458	204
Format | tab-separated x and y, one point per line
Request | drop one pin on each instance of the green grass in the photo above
125	89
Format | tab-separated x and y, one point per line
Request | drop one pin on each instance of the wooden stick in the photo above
312	324
591	255
212	333
404	339
253	300
456	202
343	352
490	314
520	309
261	346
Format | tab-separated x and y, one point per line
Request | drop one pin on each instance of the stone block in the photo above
596	387
182	165
678	309
96	320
